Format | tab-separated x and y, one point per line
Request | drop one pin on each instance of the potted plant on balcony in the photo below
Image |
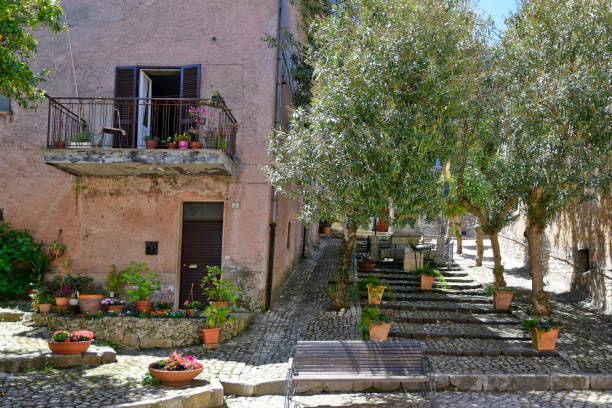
143	282
75	342
502	296
171	142
367	263
190	306
183	141
376	323
151	142
176	370
59	142
195	144
219	290
81	140
544	333
215	319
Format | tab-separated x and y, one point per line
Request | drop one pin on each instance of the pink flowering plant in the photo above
64	336
176	362
65	291
113	302
194	304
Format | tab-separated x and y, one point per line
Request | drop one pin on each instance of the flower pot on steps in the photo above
375	294
427	282
379	331
502	299
211	337
544	341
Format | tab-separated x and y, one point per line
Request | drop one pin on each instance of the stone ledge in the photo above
206	396
11	316
93	357
137	333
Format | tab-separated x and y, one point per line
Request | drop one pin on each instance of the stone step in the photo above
426	296
409	277
422	316
458	331
440	306
479	347
417	289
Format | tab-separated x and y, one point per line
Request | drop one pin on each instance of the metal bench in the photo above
359	361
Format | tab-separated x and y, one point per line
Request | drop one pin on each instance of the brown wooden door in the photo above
201	245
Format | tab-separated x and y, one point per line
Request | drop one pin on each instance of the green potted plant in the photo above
428	275
115	282
59	141
376	323
215	319
164	306
544	332
90	293
171	142
502	296
56	249
195	144
367	263
190	306
143	282
375	288
82	140
218	289
151	142
44	300
75	342
183	141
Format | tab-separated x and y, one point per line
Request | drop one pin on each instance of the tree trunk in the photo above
539	298
479	245
498	268
457	221
338	292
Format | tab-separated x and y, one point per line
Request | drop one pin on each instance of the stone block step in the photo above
417	289
426	296
441	306
422	316
459	331
409	277
480	347
94	356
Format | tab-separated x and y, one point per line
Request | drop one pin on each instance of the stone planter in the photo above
115	308
211	337
544	341
379	331
366	266
91	304
44	307
61	301
502	299
427	282
174	378
72	347
375	294
144	306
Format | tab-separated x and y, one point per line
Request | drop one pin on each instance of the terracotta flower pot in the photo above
174	378
115	308
61	301
91	304
196	145
44	307
544	341
502	299
427	282
379	331
183	144
60	145
171	145
366	266
375	294
144	305
72	347
226	304
151	144
211	337
188	312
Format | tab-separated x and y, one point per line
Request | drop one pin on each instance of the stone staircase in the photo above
453	319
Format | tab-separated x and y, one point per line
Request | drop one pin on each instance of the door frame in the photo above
143	106
179	246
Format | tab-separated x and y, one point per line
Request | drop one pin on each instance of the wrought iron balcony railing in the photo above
128	123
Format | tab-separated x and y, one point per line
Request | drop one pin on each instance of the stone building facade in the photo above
118	204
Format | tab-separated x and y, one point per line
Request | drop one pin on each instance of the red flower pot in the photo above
226	304
144	306
44	307
502	299
211	337
427	282
151	144
188	312
91	304
115	308
379	331
196	145
61	301
60	145
72	347
174	378
171	145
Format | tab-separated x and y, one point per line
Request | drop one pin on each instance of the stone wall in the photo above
137	333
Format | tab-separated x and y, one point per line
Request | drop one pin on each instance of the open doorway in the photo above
158	118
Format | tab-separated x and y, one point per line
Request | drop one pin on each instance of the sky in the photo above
498	9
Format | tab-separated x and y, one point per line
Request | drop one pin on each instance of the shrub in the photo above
22	262
217	288
138	275
540	324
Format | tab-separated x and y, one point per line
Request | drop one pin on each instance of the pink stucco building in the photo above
131	69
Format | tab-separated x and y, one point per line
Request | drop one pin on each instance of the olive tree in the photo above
557	65
386	78
18	20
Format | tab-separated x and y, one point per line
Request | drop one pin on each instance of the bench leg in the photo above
431	380
290	388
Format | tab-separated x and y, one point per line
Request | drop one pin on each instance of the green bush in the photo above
140	276
22	262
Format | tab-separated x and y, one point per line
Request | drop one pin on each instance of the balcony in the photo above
141	137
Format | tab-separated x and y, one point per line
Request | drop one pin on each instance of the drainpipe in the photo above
277	113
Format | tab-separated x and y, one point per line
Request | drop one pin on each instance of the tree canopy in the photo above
18	18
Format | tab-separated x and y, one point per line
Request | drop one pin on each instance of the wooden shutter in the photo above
126	86
190	81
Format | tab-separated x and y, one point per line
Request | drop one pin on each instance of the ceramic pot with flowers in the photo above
164	306
544	333
62	295
75	342
113	305
176	370
376	323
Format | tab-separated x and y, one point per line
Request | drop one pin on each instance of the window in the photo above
5	104
582	261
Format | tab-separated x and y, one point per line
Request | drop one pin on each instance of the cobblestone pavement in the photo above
300	313
583	399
